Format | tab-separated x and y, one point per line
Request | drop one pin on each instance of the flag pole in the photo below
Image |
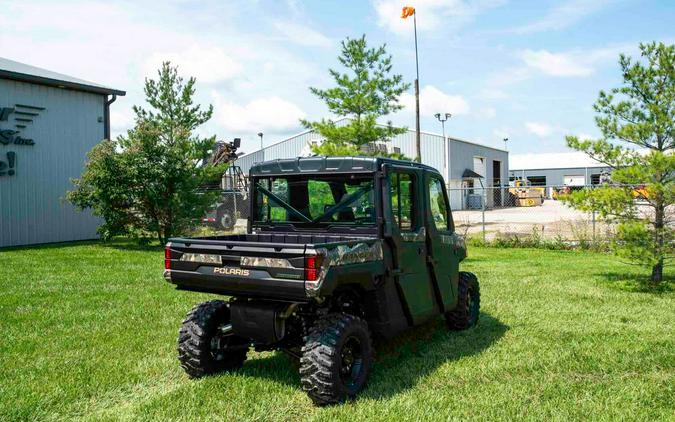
417	95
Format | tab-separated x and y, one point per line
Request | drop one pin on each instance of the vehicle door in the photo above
444	245
406	223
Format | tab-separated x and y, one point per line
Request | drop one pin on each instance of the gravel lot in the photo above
552	219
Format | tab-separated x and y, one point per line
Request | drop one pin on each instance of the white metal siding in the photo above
432	152
32	204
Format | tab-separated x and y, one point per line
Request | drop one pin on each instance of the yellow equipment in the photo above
526	195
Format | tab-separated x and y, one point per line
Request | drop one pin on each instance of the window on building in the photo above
537	180
402	200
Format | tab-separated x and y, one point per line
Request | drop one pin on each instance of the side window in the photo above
280	189
269	211
438	204
402	191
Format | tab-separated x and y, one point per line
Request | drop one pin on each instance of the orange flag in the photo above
407	12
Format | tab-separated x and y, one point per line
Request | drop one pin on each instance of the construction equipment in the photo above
234	187
523	194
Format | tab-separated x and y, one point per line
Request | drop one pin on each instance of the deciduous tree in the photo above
148	181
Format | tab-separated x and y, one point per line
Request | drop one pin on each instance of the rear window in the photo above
346	199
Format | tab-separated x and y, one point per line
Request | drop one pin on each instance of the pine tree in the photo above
364	92
638	137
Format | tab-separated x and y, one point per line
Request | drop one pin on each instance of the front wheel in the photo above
336	359
466	313
206	344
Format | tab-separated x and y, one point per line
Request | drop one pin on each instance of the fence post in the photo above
483	211
234	199
593	217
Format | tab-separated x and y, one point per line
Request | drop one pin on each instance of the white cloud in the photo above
542	130
302	34
487	113
433	14
120	121
433	100
563	16
207	64
267	114
572	63
557	64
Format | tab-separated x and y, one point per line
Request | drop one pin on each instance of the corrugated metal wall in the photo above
32	205
461	152
557	176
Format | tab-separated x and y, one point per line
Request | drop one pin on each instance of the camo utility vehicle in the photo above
336	249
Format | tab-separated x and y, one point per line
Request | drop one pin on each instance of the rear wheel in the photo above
466	314
336	359
206	344
225	219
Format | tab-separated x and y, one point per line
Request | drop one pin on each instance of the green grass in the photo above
89	332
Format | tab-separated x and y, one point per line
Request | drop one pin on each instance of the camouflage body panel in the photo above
343	255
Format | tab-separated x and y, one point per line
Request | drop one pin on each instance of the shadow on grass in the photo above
400	362
123	244
640	283
133	245
57	245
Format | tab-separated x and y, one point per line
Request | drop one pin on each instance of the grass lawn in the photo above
89	332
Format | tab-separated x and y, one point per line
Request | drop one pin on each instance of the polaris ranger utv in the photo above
336	249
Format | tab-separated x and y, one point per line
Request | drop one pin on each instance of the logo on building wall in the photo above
13	120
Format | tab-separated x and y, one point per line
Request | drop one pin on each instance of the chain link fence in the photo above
487	214
536	213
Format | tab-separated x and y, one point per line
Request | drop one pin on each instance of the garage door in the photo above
574	180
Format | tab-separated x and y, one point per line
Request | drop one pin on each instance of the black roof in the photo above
304	165
10	69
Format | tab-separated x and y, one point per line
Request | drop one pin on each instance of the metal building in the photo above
48	123
557	169
491	163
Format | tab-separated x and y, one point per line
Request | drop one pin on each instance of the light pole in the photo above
445	144
407	12
262	149
505	141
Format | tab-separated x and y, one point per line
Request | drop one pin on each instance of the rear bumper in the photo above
258	284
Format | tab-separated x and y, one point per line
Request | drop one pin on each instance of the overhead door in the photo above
574	180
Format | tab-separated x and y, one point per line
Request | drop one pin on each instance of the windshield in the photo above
345	198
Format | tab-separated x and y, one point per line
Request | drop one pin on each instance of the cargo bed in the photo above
267	265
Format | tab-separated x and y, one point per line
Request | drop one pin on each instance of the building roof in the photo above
547	161
9	69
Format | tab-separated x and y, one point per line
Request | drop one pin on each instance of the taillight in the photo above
313	276
167	258
311	268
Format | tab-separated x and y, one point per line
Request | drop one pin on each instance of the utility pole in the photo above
418	144
262	149
505	141
445	145
407	12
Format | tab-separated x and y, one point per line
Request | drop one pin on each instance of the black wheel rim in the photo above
351	361
220	341
226	221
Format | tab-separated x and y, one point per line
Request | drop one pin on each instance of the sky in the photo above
526	70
